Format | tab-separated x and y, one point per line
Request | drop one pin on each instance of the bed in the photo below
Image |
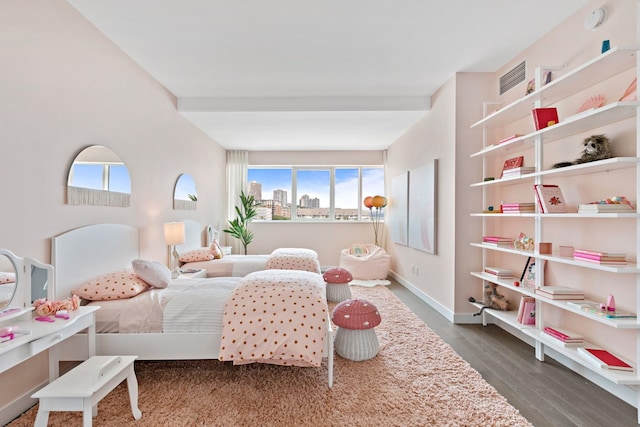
240	265
82	254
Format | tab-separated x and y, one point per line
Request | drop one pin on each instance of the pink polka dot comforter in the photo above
293	259
277	317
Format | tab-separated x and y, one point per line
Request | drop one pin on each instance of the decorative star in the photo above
555	201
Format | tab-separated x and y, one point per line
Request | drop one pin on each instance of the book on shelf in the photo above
604	359
518	207
509	138
550	198
605	208
559	293
519	171
497	241
597	254
526	310
604	261
499	273
544	117
514	162
563	336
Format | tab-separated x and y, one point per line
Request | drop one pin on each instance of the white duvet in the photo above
187	305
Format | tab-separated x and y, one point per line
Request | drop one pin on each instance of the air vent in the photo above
512	77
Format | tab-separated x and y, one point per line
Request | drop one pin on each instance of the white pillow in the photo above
154	273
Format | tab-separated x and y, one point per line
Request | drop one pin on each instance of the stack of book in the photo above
605	258
564	336
518	171
603	359
591	208
559	293
499	273
527	311
498	241
518	208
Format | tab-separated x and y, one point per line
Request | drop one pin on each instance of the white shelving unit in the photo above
607	65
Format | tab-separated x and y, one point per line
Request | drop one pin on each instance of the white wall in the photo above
64	86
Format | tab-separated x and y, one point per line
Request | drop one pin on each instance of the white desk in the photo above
45	335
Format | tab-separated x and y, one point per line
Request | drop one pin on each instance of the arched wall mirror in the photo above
23	280
98	177
185	196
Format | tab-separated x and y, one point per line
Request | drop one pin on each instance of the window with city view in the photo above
320	193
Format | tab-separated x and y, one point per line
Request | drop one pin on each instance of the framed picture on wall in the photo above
399	206
422	207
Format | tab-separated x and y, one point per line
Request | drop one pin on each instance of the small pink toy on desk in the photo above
62	314
44	319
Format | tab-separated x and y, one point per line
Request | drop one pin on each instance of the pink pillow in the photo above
195	255
120	284
6	277
216	250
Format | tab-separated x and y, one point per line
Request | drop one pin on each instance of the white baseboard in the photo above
18	406
444	311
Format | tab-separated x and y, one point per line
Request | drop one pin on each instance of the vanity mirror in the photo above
22	281
98	177
185	196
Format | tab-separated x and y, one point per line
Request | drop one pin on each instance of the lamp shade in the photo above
174	233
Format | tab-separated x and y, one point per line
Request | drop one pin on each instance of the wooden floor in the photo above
546	393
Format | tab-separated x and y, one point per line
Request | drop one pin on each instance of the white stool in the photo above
85	385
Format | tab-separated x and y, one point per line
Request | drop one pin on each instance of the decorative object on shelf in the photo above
596	147
492	299
245	214
550	198
544	117
566	251
606	45
630	92
530	279
545	248
174	235
596	101
524	242
377	202
531	85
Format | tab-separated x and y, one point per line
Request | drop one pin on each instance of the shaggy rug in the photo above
415	380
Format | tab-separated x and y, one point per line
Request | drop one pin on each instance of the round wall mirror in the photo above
98	177
185	196
8	281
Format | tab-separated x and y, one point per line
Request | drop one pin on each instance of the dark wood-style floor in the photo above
546	393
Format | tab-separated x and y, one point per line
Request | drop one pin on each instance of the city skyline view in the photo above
316	184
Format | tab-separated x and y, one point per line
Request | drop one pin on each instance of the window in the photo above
314	193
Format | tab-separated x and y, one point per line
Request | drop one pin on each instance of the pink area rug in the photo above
415	380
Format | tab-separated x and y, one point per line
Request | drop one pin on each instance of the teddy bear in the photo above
596	147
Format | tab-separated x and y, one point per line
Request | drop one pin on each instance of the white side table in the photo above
85	385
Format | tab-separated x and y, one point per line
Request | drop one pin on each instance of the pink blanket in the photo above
277	317
294	259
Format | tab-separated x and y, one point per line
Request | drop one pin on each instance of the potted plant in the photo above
246	212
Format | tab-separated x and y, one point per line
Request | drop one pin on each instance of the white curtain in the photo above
237	167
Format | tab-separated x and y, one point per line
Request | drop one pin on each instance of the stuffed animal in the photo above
596	147
492	299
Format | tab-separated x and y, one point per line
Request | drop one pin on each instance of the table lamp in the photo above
174	235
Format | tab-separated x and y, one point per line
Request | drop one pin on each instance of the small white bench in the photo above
85	385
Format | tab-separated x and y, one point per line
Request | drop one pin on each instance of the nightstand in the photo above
190	274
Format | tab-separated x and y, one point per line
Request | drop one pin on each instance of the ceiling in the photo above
316	75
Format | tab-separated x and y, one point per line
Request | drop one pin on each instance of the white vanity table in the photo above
34	280
44	336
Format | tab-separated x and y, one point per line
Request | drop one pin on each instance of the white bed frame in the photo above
84	253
